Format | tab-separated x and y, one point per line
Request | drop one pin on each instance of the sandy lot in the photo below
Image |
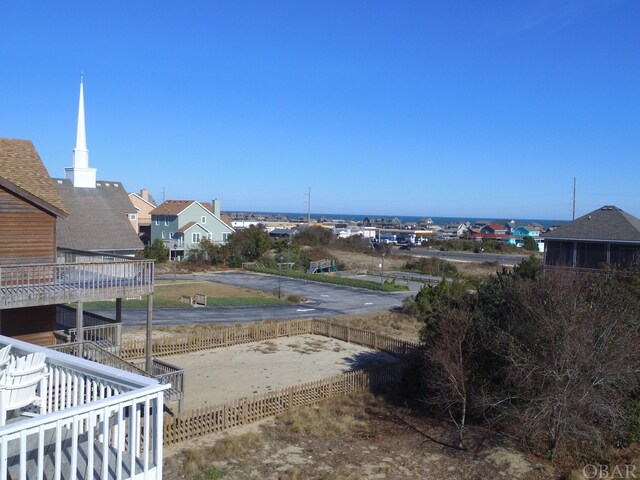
223	374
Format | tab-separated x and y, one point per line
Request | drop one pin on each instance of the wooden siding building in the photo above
33	280
608	236
29	208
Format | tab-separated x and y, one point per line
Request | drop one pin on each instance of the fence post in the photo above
349	333
330	329
375	341
225	417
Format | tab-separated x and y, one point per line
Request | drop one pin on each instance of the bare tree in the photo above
447	353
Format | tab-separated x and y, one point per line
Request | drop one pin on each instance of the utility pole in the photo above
574	198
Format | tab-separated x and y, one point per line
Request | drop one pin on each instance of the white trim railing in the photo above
98	422
41	284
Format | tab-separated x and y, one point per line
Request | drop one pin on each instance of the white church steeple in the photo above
80	174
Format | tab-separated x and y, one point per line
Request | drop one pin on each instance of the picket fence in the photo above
246	410
257	332
253	408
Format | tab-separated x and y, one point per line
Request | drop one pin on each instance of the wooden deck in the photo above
94	421
47	284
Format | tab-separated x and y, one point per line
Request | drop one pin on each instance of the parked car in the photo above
406	246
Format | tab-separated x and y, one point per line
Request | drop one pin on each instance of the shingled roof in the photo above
22	172
608	223
97	218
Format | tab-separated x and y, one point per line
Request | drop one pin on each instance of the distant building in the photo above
182	224
143	204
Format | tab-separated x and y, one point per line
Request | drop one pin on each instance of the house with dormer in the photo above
182	224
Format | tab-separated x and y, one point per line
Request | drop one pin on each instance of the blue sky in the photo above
430	108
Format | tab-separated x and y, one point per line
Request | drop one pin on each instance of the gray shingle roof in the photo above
22	171
608	223
97	217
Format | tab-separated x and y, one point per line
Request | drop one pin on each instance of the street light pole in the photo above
280	258
175	246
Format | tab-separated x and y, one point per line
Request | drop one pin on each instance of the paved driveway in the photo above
322	301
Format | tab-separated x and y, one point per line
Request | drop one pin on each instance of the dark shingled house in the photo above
608	235
98	218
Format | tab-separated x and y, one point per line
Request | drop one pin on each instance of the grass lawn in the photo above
167	295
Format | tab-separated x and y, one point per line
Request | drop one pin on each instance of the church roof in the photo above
22	172
608	223
98	217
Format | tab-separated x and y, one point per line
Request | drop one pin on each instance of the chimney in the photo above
144	194
215	204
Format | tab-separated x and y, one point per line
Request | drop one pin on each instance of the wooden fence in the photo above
257	332
246	410
250	409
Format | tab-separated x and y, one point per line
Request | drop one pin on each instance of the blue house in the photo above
182	224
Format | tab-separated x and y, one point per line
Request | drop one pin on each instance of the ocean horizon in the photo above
408	218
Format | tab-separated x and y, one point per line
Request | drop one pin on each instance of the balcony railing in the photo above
106	332
98	422
51	283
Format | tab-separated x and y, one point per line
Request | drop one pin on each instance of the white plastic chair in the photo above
4	357
19	384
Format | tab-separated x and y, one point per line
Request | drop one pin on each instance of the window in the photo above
209	236
133	216
195	237
170	234
203	219
166	220
225	236
163	235
155	219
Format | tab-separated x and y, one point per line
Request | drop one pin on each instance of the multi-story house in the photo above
82	419
182	224
143	204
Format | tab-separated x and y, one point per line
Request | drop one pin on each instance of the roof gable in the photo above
22	172
190	225
141	199
607	223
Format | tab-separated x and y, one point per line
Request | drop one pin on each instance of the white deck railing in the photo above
41	284
98	422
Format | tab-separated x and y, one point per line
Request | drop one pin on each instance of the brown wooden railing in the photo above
46	284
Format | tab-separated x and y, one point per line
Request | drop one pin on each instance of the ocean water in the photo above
413	219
